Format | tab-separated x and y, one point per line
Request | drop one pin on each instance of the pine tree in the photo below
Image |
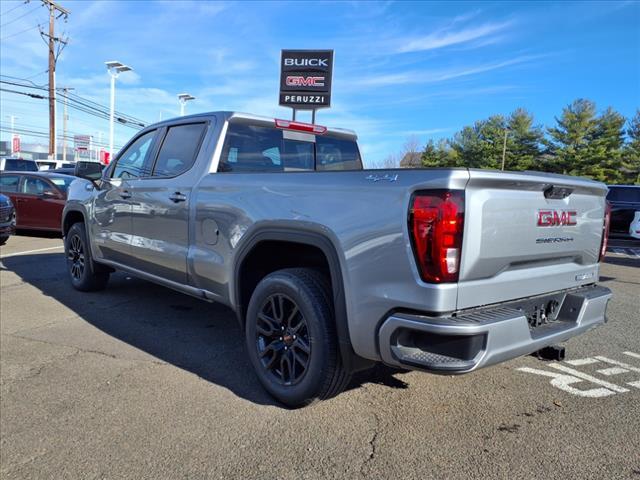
439	155
524	140
480	146
631	153
571	139
605	161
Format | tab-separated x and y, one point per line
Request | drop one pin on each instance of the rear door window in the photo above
179	150
9	183
35	186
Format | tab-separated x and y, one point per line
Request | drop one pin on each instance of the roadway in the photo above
141	382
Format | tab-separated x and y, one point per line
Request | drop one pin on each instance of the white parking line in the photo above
31	251
612	371
581	361
619	364
631	354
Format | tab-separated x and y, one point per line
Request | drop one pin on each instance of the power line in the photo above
14	8
43	134
18	18
32	95
81	104
21	31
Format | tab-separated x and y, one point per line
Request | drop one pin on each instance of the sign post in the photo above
305	80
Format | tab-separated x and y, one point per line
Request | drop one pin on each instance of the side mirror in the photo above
91	171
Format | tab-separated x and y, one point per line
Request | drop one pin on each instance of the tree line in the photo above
604	147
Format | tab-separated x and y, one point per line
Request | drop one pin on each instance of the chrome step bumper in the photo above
487	336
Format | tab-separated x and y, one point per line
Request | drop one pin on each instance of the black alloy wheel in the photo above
291	337
84	273
282	339
76	258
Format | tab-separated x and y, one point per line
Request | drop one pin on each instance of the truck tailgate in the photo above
520	241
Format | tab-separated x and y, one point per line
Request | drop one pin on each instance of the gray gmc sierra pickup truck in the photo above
330	267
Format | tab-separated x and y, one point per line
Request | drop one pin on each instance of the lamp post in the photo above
183	98
114	68
504	147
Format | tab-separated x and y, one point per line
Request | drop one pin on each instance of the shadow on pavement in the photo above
200	337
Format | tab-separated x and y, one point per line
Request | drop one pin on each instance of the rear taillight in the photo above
605	231
436	220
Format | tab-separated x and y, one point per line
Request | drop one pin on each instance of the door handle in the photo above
125	194
177	197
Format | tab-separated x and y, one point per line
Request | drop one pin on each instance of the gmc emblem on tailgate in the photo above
555	218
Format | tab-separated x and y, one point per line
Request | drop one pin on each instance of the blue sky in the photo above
401	69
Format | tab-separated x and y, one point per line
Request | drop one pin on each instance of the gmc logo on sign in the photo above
299	81
555	218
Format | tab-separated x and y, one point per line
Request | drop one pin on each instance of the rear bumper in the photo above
487	336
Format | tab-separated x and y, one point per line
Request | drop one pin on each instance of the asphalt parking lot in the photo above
141	382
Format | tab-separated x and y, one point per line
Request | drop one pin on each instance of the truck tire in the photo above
3	240
291	337
84	274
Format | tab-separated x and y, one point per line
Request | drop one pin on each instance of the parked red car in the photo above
38	197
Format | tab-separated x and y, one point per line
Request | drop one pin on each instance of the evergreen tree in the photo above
524	142
481	146
439	155
605	161
631	152
570	141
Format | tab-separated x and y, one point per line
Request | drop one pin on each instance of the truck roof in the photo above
267	121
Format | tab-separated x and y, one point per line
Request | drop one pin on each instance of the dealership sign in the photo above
15	144
305	79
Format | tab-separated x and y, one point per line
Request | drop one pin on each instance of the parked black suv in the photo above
7	219
624	201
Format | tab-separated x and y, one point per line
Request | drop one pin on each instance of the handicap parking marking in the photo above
566	380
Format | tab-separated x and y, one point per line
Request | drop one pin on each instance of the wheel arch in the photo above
71	216
274	235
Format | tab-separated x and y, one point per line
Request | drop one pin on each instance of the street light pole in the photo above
114	68
183	98
13	131
112	106
65	118
504	147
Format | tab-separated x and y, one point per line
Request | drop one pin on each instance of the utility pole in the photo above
65	118
504	147
55	11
